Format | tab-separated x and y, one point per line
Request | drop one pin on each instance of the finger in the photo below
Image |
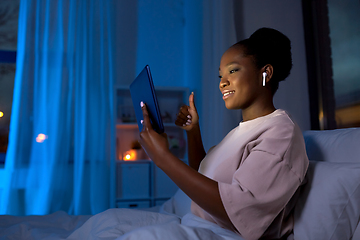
182	123
146	123
192	101
184	111
179	123
183	116
183	119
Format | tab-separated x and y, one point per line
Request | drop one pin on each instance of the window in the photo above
333	55
344	22
9	11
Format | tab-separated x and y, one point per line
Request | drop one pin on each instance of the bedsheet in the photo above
58	225
119	224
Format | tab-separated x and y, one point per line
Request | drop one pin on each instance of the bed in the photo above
328	208
169	221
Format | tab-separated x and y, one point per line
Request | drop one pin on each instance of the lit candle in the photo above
130	155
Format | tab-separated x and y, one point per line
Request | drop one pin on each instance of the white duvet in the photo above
114	223
172	220
127	224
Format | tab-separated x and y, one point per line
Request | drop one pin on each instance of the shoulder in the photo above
280	124
278	133
284	138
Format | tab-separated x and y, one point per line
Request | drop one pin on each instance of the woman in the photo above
246	183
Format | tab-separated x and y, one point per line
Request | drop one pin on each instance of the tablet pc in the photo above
142	89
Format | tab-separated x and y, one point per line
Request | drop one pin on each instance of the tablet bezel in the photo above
142	89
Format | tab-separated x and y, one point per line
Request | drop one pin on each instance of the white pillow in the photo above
179	204
329	204
338	145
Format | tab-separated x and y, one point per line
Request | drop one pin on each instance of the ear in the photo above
268	68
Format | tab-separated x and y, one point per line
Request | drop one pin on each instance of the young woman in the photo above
246	183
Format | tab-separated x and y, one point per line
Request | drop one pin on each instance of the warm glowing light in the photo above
130	155
1	114
41	138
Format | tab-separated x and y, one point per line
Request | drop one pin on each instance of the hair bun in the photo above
269	46
273	48
271	36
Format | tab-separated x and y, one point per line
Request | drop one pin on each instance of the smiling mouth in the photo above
228	94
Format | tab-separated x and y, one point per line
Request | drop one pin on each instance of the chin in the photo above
231	107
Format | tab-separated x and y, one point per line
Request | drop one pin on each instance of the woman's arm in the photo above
201	189
196	151
188	119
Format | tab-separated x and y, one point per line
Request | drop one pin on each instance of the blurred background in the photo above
182	41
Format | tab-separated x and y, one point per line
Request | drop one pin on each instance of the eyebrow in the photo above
231	63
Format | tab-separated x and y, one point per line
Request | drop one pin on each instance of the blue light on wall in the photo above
161	41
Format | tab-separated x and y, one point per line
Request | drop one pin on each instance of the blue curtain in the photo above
61	146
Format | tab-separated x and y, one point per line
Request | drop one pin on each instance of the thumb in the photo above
192	102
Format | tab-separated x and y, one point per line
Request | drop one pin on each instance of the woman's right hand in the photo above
188	117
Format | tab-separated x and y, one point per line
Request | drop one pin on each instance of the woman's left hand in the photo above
155	145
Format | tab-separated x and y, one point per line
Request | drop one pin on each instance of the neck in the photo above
257	111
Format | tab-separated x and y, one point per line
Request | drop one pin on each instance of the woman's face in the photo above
241	81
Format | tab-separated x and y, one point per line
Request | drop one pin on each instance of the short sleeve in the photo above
263	185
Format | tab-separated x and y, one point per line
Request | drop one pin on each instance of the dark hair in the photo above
269	46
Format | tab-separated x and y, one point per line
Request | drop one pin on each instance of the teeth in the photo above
227	93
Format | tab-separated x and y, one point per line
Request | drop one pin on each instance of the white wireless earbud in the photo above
264	78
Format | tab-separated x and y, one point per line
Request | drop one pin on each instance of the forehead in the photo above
236	55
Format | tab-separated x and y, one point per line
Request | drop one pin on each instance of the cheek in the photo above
240	84
246	81
245	88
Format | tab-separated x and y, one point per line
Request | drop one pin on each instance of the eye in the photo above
233	70
220	76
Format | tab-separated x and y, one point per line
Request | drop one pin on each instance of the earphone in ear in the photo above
264	78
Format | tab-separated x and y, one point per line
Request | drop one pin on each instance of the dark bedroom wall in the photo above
285	16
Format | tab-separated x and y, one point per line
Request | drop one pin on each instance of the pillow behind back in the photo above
329	204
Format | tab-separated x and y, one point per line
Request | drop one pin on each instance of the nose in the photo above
223	83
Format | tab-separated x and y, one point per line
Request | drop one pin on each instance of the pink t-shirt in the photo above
259	166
